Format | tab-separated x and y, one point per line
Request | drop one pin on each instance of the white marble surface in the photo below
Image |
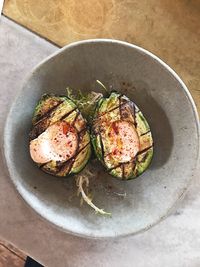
175	242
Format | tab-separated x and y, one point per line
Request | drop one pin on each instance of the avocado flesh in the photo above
119	108
52	109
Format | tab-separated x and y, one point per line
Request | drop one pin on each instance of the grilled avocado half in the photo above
121	137
59	139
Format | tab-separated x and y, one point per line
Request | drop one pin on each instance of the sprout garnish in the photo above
82	180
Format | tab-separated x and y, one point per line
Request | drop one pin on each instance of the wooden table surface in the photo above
168	28
10	256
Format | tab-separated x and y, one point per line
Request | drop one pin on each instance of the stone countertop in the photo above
174	242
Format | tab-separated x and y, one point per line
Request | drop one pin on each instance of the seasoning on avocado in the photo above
59	139
121	137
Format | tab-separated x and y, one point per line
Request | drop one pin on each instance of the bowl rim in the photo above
23	85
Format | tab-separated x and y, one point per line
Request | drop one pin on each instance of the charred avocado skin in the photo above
118	107
52	109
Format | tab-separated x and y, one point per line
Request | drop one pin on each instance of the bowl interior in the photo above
135	204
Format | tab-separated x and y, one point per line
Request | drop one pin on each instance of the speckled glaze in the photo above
138	204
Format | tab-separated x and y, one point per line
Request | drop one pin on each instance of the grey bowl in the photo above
165	101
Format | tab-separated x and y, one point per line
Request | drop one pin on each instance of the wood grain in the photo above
170	29
10	256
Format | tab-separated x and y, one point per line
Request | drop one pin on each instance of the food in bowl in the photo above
121	137
61	138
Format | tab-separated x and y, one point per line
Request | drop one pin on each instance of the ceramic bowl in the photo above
137	204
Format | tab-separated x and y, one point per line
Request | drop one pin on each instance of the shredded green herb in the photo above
86	102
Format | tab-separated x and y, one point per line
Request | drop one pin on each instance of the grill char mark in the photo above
134	160
43	124
76	117
67	114
144	150
134	116
83	130
144	158
96	120
72	160
145	133
48	113
117	166
62	165
120	106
